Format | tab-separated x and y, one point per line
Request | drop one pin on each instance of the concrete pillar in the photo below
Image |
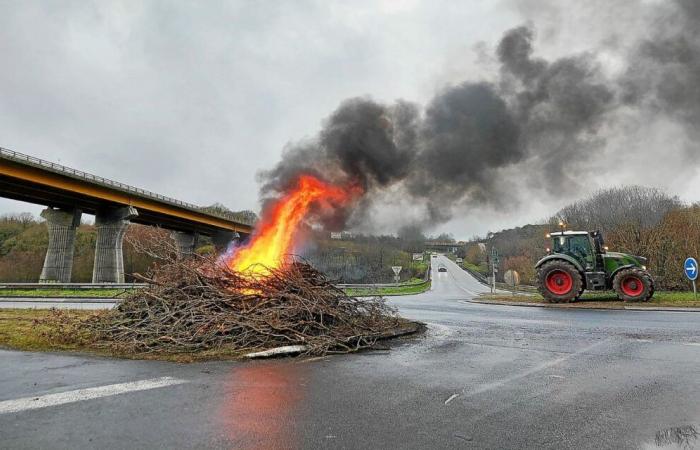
222	239
58	263
111	225
186	242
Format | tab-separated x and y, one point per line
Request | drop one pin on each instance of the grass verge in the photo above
407	289
606	300
64	293
24	329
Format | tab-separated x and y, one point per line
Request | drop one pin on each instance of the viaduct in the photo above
445	246
68	193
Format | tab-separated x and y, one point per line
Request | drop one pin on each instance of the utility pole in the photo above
494	262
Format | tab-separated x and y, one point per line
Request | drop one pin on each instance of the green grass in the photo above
25	329
416	286
22	329
472	267
57	292
609	299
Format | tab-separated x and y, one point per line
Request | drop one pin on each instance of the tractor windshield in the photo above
578	247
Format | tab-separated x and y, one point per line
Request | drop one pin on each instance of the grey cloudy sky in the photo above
192	99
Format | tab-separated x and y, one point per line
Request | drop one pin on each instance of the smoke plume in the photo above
543	122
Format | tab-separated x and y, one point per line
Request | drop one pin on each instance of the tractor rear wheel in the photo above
559	281
633	285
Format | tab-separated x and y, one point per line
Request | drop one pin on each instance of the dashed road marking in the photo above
61	398
452	397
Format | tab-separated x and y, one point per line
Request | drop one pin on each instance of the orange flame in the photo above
276	233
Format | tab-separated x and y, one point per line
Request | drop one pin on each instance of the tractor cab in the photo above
586	248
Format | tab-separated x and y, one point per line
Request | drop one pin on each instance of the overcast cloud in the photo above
193	99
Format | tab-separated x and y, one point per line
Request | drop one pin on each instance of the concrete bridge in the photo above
68	193
445	246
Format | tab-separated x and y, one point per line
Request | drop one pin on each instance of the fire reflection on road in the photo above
261	404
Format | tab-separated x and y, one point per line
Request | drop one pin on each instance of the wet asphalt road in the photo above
482	377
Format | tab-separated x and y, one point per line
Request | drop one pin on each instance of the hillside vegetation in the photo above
23	242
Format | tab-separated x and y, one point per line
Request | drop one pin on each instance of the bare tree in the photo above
635	206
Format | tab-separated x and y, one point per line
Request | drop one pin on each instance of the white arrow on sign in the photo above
691	268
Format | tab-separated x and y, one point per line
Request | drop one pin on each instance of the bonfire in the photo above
253	298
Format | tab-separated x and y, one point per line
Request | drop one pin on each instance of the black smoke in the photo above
559	106
664	72
541	121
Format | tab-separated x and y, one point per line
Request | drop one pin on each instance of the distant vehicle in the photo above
434	255
442	269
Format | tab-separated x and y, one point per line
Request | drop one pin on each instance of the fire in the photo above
276	234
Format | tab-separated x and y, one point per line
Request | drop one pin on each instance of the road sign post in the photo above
397	271
690	267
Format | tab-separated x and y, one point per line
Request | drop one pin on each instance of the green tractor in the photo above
579	260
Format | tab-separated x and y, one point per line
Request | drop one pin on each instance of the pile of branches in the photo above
197	303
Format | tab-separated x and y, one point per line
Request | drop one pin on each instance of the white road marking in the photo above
61	398
500	383
452	397
692	343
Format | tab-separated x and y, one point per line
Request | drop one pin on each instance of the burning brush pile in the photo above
198	304
252	298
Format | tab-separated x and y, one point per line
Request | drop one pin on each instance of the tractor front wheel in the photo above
633	285
559	281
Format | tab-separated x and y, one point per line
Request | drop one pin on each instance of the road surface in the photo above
483	376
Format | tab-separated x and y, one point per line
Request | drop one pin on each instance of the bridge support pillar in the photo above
58	263
109	260
185	242
223	239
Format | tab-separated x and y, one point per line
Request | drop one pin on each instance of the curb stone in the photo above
554	305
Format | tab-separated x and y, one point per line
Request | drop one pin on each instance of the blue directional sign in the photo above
690	266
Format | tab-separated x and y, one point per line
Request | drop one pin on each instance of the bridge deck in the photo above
34	180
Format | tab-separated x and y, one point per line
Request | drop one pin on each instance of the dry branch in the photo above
197	303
